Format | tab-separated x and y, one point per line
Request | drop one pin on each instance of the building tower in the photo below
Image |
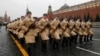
50	14
27	9
5	17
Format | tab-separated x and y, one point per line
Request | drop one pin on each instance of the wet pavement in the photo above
92	48
7	46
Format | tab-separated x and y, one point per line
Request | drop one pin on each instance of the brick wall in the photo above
92	12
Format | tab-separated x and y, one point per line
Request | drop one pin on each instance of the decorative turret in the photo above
50	14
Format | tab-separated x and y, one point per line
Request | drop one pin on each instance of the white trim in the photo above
96	39
88	50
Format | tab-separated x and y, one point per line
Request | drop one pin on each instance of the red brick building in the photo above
91	8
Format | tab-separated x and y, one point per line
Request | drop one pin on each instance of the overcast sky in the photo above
17	8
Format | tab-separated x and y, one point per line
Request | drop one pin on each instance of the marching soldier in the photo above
30	38
83	26
65	32
44	31
15	26
23	33
9	27
20	31
72	30
55	32
89	30
78	30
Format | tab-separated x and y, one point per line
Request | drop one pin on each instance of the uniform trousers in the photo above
65	41
91	36
30	47
80	39
22	41
44	45
56	43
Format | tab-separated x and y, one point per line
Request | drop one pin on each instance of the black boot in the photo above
44	45
67	42
63	41
22	41
84	38
87	38
57	44
91	37
80	39
29	49
75	39
70	40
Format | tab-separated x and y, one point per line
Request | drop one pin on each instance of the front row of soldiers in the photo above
70	31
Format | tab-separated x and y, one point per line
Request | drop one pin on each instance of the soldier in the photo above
16	26
9	27
23	33
44	31
20	31
30	38
89	30
78	31
55	32
72	30
65	32
13	28
83	26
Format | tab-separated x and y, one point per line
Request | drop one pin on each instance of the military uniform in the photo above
65	32
83	26
25	33
16	26
72	30
27	22
79	30
89	30
44	32
55	31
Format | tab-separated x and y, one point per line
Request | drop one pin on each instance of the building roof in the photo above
65	6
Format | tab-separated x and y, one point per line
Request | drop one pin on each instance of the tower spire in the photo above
27	9
5	15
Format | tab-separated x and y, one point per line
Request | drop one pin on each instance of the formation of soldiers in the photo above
27	29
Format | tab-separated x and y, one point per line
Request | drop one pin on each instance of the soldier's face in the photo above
44	16
29	15
22	17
